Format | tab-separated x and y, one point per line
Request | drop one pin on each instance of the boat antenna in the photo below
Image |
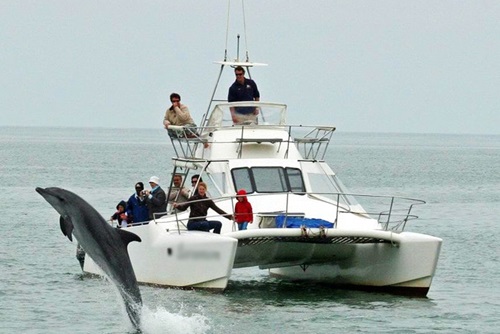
227	28
244	29
204	119
238	48
247	58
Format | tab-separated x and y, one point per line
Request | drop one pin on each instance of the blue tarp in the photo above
299	221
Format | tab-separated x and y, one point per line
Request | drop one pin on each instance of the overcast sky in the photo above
365	66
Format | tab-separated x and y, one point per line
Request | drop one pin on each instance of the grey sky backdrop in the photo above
368	66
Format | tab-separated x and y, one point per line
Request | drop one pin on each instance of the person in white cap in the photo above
156	199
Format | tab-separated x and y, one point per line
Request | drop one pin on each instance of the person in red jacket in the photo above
243	210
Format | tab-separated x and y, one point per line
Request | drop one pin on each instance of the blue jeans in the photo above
242	226
205	225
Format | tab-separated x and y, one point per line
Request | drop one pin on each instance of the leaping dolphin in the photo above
106	245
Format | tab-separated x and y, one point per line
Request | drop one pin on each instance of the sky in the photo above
360	65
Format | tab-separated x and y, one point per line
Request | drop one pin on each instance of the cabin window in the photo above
329	186
241	179
268	179
295	181
217	184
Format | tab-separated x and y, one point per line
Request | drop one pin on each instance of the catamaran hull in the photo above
406	267
173	258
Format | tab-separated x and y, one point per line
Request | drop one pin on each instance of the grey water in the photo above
42	289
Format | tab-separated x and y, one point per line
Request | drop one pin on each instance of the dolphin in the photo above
106	245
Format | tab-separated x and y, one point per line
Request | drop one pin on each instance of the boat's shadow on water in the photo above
277	292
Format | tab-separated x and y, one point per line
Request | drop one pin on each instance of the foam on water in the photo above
160	320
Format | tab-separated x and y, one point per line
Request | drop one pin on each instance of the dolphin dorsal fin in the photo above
127	236
66	227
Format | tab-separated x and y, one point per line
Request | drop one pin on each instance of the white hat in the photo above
155	179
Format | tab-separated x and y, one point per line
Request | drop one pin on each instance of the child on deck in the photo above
120	214
243	210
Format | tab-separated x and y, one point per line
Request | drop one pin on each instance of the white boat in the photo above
307	226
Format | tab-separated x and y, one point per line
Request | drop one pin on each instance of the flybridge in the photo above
221	138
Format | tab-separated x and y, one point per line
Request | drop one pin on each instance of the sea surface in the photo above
42	289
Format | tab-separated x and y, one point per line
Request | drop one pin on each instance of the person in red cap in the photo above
243	210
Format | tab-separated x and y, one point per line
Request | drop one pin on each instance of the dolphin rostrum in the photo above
106	245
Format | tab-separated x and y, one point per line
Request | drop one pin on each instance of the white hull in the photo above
370	259
379	260
178	259
404	267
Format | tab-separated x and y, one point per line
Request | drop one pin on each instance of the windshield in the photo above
268	179
265	113
323	182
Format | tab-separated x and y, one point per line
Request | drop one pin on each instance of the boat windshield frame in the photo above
268	113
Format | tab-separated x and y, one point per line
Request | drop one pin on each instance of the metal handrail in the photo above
312	144
394	219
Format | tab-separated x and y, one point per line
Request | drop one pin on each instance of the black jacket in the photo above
157	203
199	209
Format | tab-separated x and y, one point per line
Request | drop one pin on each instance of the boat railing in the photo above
315	142
391	212
396	212
185	140
311	141
181	220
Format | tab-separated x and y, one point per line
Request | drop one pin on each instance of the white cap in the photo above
155	179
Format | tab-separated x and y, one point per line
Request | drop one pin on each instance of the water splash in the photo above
164	322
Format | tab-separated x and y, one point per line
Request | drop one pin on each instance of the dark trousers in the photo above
205	225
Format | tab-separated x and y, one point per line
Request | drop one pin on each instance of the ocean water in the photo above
42	289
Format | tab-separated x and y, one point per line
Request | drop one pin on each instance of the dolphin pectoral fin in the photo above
127	236
66	227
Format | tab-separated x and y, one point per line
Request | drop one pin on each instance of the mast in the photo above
236	62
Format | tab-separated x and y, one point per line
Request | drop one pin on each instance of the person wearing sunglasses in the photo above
194	181
243	89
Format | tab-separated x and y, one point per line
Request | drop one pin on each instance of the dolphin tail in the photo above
132	298
133	308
